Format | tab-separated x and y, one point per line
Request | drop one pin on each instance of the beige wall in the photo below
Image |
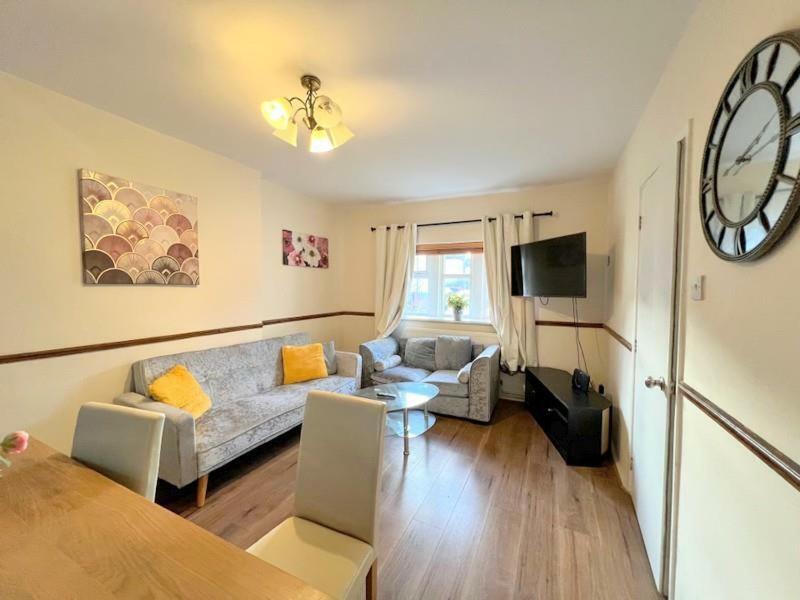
738	522
578	206
46	139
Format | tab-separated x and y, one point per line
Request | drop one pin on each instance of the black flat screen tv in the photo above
554	268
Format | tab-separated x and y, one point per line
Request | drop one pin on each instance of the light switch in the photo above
698	287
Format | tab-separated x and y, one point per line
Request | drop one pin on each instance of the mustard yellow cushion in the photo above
179	388
303	363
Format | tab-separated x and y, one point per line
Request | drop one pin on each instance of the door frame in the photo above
681	145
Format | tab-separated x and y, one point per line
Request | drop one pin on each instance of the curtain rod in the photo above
549	213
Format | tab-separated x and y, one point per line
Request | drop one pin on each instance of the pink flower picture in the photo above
304	250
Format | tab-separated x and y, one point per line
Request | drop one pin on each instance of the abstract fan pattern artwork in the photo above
304	250
137	234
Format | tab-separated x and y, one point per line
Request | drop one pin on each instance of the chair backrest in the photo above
340	463
122	443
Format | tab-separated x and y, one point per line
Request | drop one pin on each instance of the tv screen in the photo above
550	268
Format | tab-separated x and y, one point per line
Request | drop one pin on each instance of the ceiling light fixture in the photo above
322	116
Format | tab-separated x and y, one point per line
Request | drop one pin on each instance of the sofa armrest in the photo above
484	384
348	364
178	456
372	351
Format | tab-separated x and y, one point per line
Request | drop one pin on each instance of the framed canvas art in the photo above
136	234
305	250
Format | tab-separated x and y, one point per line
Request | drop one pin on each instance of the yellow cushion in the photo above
303	363
179	388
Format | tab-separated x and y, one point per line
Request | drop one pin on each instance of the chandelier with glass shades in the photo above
320	114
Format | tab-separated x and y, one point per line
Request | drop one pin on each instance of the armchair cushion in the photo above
398	374
421	353
387	363
452	351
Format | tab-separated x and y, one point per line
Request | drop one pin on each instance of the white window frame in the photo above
477	311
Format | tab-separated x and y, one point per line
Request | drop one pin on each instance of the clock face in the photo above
751	165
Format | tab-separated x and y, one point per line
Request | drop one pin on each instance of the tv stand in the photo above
577	423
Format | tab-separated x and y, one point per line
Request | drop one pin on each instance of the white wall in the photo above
737	522
46	138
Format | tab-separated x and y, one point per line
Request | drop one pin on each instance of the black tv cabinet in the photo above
577	423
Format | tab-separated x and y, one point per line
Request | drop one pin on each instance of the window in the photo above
442	270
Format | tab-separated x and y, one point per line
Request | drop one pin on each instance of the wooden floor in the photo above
476	511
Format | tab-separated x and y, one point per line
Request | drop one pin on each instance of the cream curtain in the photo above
512	318
395	247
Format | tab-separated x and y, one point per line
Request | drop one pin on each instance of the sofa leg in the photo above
372	581
202	486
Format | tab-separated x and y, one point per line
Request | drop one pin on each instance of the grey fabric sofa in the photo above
249	403
474	399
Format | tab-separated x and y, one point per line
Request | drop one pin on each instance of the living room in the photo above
464	119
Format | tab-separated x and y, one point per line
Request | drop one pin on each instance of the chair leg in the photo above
202	486
372	581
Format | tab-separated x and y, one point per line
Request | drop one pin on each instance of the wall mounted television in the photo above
554	268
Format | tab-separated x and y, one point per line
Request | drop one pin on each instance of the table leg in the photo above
405	432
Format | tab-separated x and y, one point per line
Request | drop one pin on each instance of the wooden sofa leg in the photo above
202	486
372	581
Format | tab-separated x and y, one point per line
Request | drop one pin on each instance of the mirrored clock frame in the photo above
759	202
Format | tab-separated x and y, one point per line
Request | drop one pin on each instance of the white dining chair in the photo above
122	443
330	541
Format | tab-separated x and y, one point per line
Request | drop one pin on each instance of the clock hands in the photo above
747	159
743	157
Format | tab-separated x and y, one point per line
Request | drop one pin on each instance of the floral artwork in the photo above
304	250
136	234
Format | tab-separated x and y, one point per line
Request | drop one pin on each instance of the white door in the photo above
652	396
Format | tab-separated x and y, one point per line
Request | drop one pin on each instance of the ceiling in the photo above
445	97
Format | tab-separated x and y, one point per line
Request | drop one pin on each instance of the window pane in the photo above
455	285
456	264
419	300
420	262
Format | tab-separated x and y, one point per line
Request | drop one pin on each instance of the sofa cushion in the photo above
399	374
329	349
452	351
447	382
303	363
231	429
421	353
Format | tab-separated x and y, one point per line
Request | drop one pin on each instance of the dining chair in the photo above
122	443
330	541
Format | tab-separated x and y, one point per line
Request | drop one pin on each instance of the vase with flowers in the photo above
458	303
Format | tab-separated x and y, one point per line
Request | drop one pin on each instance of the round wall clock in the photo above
750	190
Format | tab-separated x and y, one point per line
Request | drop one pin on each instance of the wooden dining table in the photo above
68	532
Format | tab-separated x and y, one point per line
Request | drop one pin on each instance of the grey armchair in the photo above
467	374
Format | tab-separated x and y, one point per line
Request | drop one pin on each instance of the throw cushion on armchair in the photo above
387	363
452	352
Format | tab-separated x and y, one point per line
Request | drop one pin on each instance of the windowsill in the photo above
448	321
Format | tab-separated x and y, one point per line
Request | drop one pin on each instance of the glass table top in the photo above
405	395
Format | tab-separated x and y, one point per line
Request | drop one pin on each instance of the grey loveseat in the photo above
439	361
250	404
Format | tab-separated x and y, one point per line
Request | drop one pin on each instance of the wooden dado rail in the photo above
766	452
70	350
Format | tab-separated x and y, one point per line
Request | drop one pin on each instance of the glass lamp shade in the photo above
327	113
288	135
340	134
320	142
277	112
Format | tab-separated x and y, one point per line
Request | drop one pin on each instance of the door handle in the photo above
652	382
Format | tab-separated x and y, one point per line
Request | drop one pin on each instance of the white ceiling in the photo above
445	97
